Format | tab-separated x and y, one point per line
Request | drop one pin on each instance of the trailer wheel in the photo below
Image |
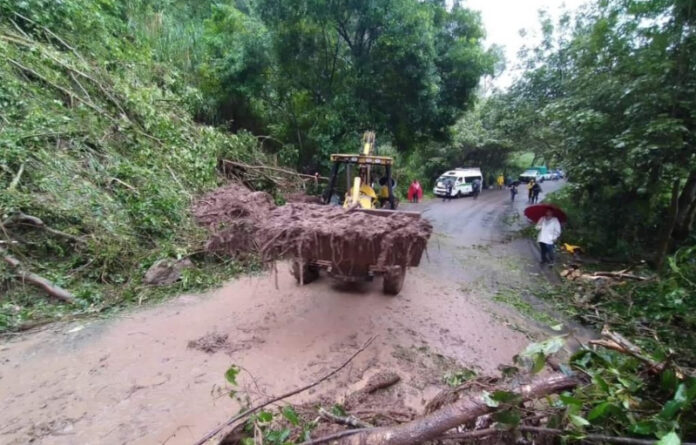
304	273
394	280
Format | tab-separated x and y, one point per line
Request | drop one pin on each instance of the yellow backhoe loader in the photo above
359	261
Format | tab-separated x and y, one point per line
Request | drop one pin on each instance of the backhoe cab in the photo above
373	172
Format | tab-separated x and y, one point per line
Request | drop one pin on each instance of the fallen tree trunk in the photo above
48	287
29	220
450	416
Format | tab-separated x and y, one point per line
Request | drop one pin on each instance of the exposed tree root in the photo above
47	286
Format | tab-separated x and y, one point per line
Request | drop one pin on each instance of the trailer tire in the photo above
304	273
394	280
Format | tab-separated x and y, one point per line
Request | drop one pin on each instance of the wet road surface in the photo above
133	379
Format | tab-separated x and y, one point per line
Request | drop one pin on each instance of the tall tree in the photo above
405	68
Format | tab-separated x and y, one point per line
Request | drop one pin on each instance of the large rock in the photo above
166	271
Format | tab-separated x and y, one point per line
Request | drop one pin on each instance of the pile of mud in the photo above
347	238
232	215
242	222
302	197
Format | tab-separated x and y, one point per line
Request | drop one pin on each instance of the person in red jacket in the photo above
415	192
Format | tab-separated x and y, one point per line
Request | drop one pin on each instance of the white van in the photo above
462	181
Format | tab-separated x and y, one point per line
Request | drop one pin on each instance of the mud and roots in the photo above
243	223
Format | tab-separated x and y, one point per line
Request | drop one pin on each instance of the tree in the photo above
613	98
316	73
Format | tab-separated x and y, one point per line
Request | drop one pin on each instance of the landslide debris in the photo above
232	214
243	223
310	231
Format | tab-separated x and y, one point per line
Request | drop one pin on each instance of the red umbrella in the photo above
537	211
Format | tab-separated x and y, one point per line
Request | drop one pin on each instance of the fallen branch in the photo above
24	219
18	176
468	435
50	288
619	343
252	410
620	274
351	421
52	34
276	169
435	424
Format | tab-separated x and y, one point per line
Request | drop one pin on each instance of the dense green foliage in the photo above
648	393
612	96
95	143
315	74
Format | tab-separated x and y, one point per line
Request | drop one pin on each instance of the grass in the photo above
514	299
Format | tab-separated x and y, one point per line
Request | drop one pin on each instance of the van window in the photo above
471	179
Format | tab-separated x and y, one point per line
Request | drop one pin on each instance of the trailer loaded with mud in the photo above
349	244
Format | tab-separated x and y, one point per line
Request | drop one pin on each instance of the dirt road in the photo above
133	378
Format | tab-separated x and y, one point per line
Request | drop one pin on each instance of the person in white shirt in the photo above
549	230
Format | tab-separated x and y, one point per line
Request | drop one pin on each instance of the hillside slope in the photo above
96	142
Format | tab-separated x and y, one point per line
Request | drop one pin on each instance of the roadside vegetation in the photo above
100	158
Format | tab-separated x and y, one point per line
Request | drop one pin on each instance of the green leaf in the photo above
670	410
510	417
248	441
670	439
489	401
690	389
680	395
668	379
645	428
601	383
231	374
579	421
264	416
546	347
567	399
290	414
539	363
338	410
600	411
506	397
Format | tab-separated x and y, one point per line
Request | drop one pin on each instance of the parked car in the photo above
532	174
462	181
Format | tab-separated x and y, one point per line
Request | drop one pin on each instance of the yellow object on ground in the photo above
571	248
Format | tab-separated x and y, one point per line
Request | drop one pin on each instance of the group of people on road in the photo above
533	190
549	226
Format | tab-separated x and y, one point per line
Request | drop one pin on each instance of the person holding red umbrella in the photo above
548	220
549	230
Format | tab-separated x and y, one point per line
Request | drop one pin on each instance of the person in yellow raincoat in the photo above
501	182
530	185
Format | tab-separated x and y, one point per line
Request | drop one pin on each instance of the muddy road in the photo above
134	379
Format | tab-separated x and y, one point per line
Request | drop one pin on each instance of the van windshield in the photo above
445	178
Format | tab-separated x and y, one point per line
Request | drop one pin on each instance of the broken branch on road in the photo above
254	409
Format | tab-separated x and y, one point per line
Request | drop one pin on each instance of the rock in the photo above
166	271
